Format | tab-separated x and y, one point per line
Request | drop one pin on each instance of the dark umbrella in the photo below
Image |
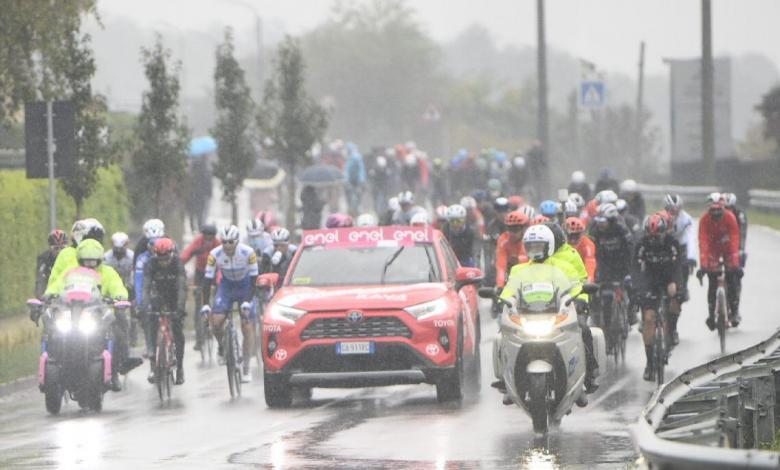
265	174
321	174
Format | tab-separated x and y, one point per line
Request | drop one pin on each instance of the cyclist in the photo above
509	246
576	237
386	218
365	220
730	199
719	239
420	219
549	209
237	263
199	248
58	240
256	237
579	185
570	209
152	228
631	221
682	231
120	257
460	235
277	258
629	191
657	256
493	232
406	208
165	289
613	251
441	218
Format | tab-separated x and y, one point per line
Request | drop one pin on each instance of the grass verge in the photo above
19	347
764	218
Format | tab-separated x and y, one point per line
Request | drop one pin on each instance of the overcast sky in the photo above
606	32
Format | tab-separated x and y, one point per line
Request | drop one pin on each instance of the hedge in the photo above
24	225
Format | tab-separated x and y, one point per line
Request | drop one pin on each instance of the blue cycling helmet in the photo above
548	208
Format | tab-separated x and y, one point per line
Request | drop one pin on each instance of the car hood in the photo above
359	297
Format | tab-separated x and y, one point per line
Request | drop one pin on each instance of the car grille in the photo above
370	327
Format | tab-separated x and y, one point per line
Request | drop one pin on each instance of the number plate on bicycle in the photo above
362	347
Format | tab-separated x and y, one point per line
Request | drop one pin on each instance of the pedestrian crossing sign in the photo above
592	94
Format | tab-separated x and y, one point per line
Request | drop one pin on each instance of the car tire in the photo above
474	377
278	392
450	385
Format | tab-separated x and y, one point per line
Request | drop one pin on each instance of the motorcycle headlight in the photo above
427	309
87	324
63	321
536	327
284	313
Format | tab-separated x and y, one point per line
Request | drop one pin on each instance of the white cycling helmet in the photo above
539	242
456	211
366	220
621	205
609	211
77	232
570	209
673	202
280	235
529	211
628	186
712	198
405	197
577	199
381	161
519	162
468	202
420	219
606	196
154	228
393	204
410	160
254	227
578	177
229	234
730	199
119	240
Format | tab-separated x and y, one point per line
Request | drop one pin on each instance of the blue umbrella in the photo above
202	146
321	174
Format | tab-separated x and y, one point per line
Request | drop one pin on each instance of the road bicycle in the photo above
165	356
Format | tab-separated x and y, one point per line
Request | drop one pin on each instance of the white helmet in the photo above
254	227
95	230
280	235
456	211
419	219
673	202
229	234
609	211
730	199
606	196
577	199
519	162
393	204
405	197
570	209
119	240
381	161
410	160
628	186
714	197
621	205
529	211
578	177
154	228
539	242
366	220
410	145
79	229
468	202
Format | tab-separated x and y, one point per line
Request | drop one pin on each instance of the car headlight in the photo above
427	309
537	327
87	324
285	313
63	321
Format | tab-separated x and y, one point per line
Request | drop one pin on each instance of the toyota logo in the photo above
355	316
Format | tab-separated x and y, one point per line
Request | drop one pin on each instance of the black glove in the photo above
700	275
740	272
581	306
691	265
35	314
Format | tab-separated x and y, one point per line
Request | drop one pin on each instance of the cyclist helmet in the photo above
515	202
280	235
578	200
518	162
548	208
468	203
163	248
494	184
529	211
673	203
655	225
119	240
441	212
501	204
539	219
78	231
154	228
89	253
730	199
229	234
366	220
608	211
713	198
621	205
58	237
405	197
578	177
539	242
209	230
420	219
606	196
558	235
456	212
570	209
666	216
574	225
254	227
629	186
393	204
516	219
94	231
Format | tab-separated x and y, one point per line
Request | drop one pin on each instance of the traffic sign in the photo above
592	94
36	134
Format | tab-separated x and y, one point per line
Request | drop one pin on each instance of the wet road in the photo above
393	427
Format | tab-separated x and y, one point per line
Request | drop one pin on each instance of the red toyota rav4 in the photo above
368	307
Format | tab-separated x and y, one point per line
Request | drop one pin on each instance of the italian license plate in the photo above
362	347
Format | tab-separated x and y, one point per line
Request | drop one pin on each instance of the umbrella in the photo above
265	174
321	174
202	146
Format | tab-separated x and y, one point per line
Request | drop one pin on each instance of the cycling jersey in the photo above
123	265
165	286
659	266
682	231
271	263
508	254
260	244
587	251
138	276
199	249
718	238
241	265
613	251
43	271
462	243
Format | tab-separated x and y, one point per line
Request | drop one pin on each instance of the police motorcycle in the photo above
539	354
76	345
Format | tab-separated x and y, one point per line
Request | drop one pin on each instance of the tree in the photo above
234	117
159	158
770	110
289	117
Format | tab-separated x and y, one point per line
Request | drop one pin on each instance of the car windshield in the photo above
320	266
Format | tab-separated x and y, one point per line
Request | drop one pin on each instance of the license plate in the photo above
363	347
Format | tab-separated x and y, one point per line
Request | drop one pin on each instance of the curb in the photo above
17	385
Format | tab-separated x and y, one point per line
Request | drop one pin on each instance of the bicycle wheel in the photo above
237	361
161	372
208	342
659	346
621	331
720	312
230	364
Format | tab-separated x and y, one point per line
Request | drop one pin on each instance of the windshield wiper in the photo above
390	261
431	270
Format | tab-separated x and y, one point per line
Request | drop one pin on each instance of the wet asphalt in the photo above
400	427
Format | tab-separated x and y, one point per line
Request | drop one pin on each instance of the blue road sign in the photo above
592	94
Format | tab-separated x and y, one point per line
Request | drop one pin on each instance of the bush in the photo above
24	225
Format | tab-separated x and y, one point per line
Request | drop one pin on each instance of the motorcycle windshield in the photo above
541	289
81	285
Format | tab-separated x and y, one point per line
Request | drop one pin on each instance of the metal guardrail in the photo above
11	158
656	192
764	199
716	415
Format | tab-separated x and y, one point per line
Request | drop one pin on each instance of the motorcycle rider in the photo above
460	235
165	289
120	257
67	259
657	256
199	248
58	240
730	199
238	265
719	238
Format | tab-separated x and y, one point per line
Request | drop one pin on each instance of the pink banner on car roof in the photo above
367	236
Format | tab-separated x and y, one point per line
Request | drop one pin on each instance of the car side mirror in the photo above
267	280
467	276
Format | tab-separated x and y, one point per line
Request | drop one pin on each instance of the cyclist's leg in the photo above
248	319
177	328
733	291
591	365
223	301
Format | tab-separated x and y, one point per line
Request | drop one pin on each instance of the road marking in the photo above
614	388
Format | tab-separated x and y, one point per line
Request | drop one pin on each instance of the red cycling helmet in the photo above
163	247
574	225
539	219
655	225
516	202
338	221
515	218
58	237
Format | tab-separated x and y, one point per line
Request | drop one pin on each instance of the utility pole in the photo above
707	112
260	69
542	129
640	109
50	160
